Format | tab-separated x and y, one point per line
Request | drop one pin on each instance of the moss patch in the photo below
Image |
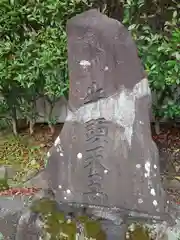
4	185
56	223
139	233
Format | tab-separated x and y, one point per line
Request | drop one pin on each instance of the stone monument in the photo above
105	158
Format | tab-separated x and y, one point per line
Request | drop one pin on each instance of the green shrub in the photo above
161	58
155	28
33	53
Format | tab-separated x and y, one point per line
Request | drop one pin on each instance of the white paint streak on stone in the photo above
119	108
79	155
140	200
153	192
142	88
57	141
58	146
85	63
155	167
147	173
155	203
147	168
106	68
138	165
68	191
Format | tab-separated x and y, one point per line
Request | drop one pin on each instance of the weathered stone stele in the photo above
104	157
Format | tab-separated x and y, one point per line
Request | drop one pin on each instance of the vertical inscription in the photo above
96	138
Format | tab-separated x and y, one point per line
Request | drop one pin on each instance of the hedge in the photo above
33	52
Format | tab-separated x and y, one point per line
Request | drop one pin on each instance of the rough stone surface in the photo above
164	232
10	212
104	157
102	58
